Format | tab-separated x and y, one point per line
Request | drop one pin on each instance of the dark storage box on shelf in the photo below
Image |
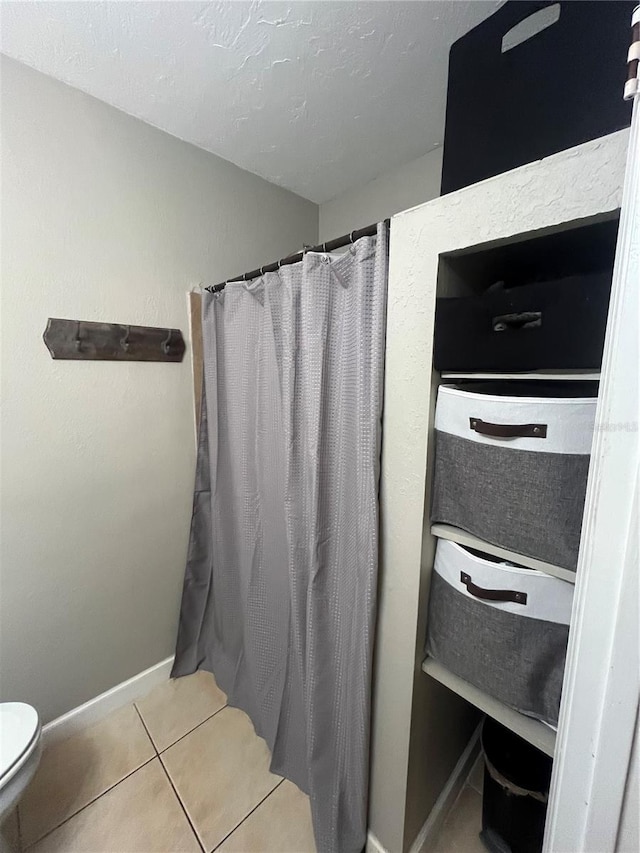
511	464
538	303
500	627
549	325
533	79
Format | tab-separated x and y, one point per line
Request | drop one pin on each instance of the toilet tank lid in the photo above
18	727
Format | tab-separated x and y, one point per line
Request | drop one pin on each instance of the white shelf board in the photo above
455	534
567	375
538	734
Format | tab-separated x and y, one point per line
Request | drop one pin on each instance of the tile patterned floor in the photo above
177	772
181	772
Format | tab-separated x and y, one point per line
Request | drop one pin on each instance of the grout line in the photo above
186	734
182	806
135	770
90	803
115	784
144	726
170	780
248	815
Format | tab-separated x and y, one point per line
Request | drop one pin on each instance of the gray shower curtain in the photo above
280	586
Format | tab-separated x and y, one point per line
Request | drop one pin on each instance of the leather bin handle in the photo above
515	322
492	594
508	430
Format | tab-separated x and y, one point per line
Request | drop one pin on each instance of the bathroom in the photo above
152	150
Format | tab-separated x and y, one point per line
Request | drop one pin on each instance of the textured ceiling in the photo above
317	97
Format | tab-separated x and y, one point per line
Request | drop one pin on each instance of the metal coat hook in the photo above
166	344
124	342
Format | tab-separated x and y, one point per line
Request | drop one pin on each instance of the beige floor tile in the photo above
10	829
462	827
77	770
179	705
476	777
221	772
282	824
140	815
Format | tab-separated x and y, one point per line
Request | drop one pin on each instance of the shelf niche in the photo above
576	248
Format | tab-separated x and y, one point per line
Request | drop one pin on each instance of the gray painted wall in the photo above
104	218
394	191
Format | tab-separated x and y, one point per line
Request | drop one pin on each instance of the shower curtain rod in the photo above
329	246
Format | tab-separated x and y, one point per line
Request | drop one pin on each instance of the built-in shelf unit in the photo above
544	375
572	249
455	534
560	216
539	734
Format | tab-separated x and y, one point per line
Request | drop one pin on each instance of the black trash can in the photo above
516	791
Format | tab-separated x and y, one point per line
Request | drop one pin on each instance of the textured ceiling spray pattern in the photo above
314	96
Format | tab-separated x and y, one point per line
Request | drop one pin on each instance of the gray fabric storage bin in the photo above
512	649
512	469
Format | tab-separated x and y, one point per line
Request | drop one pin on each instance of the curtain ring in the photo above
124	342
324	247
279	263
78	341
351	237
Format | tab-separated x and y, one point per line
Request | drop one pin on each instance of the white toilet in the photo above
20	748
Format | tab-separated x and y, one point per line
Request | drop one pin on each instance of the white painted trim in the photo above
602	680
373	845
428	835
546	375
535	732
97	708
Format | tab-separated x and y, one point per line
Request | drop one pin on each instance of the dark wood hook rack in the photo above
83	340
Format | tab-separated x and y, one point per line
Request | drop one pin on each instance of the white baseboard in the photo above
98	708
373	845
455	783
